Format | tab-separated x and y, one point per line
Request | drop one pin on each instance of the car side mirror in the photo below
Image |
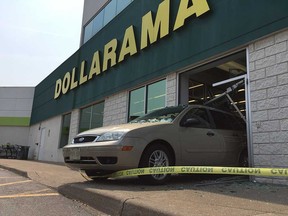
190	122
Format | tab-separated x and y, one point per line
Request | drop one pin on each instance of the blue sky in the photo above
36	37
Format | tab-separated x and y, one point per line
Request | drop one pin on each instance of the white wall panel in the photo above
51	151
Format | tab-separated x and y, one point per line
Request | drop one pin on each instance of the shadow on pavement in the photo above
234	186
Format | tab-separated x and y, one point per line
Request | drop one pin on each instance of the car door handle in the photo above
210	133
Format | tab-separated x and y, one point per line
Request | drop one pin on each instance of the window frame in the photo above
101	10
208	123
60	146
91	116
146	97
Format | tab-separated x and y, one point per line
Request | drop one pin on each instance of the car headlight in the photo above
110	136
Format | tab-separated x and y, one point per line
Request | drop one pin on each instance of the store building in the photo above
15	112
138	56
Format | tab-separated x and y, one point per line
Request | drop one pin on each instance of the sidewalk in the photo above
184	195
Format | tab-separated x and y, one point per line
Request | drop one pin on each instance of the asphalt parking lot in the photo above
184	195
23	196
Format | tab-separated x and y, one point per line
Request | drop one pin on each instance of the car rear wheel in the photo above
243	161
156	155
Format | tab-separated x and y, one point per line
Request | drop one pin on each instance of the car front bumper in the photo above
104	156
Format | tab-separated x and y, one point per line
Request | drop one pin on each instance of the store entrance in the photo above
220	84
196	85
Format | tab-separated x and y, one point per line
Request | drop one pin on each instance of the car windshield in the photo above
167	114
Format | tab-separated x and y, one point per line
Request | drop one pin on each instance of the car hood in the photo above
122	127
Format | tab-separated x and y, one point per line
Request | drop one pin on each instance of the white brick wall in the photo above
268	63
171	99
74	124
116	109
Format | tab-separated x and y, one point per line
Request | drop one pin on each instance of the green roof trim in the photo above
15	121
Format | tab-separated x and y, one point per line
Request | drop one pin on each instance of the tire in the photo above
156	155
96	175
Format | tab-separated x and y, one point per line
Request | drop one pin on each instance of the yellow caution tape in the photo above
202	170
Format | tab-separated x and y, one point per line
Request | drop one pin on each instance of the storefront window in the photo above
91	117
137	105
65	130
98	23
88	32
147	99
156	96
111	10
122	4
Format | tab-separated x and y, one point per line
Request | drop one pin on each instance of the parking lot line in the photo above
34	192
12	183
28	195
11	177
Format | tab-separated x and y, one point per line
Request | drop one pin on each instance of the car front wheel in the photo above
96	175
156	156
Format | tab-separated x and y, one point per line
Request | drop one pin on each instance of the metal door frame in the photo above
41	143
248	112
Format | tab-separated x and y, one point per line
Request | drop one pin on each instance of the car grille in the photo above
84	139
91	160
107	160
83	160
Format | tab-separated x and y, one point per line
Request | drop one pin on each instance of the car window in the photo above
167	114
238	123
224	121
200	114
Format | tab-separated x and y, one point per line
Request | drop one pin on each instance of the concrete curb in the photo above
107	203
101	202
16	171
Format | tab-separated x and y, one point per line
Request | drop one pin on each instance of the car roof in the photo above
211	108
